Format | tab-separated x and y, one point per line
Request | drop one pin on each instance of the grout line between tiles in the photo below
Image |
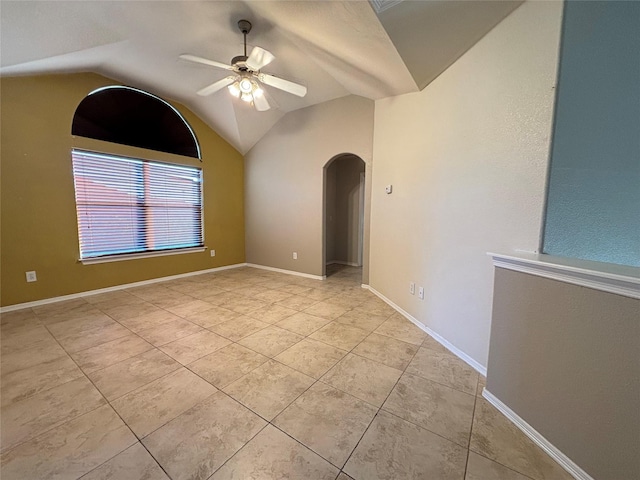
315	381
473	417
379	408
306	447
502	465
107	403
239	450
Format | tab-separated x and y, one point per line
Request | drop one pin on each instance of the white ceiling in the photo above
335	48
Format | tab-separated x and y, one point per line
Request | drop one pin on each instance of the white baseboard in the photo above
45	301
288	272
564	461
348	264
438	338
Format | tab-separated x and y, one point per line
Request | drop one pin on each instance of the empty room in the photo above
320	240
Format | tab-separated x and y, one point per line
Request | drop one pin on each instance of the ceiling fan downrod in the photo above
245	28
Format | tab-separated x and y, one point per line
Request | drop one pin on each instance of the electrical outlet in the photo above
213	253
31	276
295	255
421	293
412	288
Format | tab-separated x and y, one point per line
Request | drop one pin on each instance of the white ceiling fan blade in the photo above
261	103
282	84
205	61
258	58
214	87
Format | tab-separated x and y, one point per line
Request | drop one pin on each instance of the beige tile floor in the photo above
245	374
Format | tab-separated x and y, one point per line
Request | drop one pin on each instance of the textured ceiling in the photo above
335	48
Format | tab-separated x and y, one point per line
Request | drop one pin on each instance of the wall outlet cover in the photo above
213	253
31	276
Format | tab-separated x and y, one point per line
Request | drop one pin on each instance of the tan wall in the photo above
467	158
39	230
284	181
347	209
330	212
565	359
343	209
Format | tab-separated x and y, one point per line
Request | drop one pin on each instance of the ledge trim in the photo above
609	278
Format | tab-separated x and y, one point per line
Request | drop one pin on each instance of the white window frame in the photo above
114	257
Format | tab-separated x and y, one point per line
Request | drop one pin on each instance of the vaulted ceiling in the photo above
335	48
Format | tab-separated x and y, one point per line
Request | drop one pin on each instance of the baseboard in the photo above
348	264
564	461
438	338
45	301
288	272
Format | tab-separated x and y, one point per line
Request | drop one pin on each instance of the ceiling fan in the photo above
245	83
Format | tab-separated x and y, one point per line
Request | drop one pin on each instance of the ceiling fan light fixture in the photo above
247	80
234	89
246	85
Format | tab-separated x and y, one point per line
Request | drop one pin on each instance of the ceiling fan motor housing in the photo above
239	61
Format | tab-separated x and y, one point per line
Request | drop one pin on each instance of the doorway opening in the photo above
344	198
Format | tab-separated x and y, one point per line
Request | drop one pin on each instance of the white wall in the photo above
284	181
467	158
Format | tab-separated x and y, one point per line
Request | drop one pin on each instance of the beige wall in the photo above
330	212
39	230
467	158
347	210
284	180
565	359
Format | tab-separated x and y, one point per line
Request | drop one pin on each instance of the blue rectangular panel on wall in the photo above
593	200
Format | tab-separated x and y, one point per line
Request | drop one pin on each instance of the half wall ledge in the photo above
607	277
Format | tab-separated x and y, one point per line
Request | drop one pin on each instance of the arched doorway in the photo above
344	198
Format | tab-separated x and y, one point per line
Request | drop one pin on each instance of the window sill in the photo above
135	256
607	277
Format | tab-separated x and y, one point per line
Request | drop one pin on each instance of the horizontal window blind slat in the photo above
127	205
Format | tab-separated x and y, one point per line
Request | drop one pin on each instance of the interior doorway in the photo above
344	197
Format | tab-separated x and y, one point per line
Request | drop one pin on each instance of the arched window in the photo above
130	207
133	117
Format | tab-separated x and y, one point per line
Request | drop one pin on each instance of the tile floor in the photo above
245	374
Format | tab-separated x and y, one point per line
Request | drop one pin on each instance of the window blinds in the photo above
128	205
